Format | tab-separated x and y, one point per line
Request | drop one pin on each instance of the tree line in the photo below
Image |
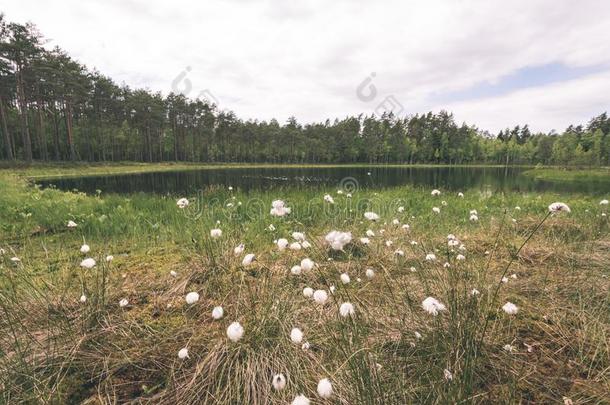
53	108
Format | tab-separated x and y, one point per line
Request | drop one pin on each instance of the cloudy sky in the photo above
493	63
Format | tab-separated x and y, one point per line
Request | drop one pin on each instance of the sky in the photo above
494	64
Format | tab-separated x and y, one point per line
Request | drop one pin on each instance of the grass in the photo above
53	348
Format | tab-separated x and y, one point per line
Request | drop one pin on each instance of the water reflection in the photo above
448	178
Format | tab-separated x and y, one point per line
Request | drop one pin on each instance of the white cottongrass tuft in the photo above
300	400
461	195
279	382
337	239
559	207
371	216
329	199
603	202
295	246
88	263
85	248
365	241
216	233
182	203
298	236
183	353
109	258
282	243
474	217
405	227
510	308
325	388
83	298
279	209
239	249
430	257
305	244
173	273
295	270
474	292
307	264
218	313
401	209
435	192
271	227
235	332
509	348
308	292
395	222
191	297
370	233
370	273
72	224
296	335
345	278
432	306
248	259
460	257
448	375
399	252
320	297
123	303
436	210
346	309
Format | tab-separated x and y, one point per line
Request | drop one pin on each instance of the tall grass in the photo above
56	349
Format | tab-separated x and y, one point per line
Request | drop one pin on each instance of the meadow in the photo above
419	297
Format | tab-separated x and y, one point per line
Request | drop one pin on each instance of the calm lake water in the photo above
448	178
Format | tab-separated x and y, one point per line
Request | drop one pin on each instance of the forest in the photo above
53	108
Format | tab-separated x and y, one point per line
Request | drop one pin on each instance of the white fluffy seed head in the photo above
345	278
279	382
183	353
370	273
320	296
307	264
559	207
296	335
192	297
88	263
218	313
282	243
235	332
308	292
248	259
325	388
346	309
510	308
296	270
83	298
85	248
216	233
239	249
432	306
123	303
300	400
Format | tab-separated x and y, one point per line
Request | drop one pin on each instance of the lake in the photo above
448	178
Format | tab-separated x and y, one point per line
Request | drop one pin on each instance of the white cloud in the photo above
272	58
554	106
